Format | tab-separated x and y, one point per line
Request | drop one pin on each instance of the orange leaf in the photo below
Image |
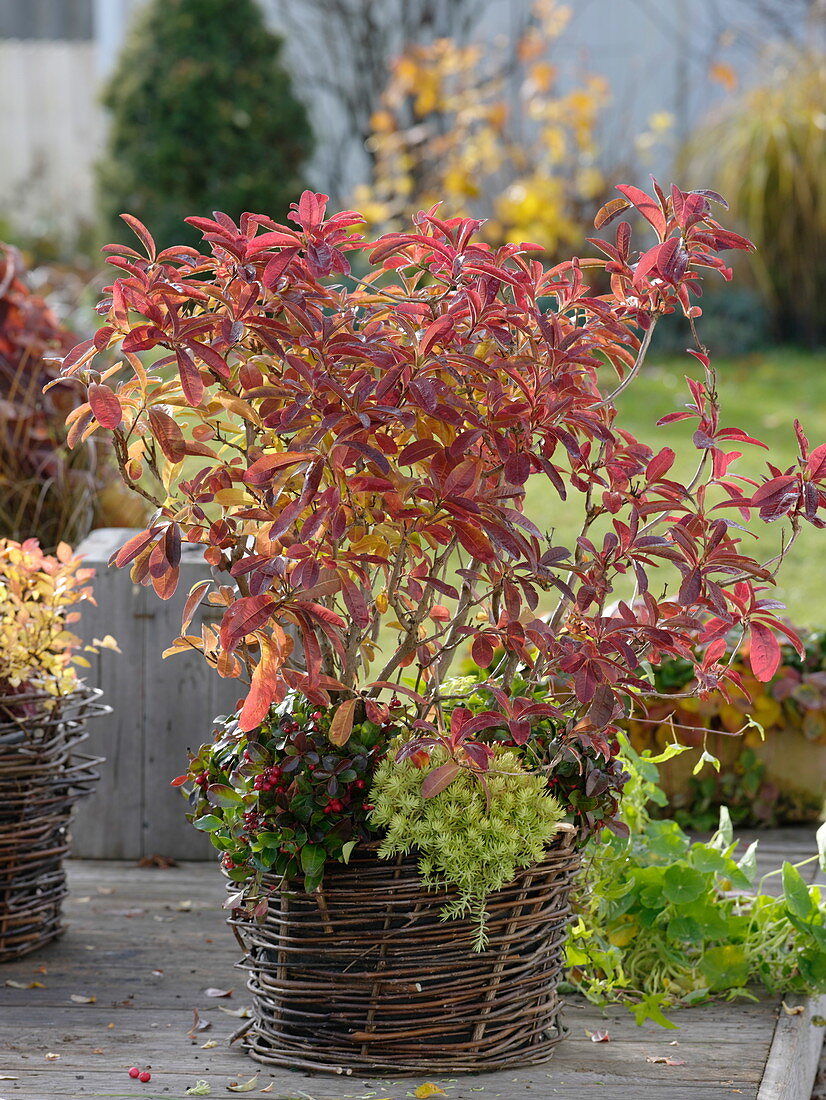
342	724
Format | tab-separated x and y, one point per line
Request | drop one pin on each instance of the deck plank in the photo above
126	925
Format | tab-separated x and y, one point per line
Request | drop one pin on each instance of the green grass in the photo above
762	394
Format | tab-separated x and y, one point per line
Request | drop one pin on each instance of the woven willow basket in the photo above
367	976
41	777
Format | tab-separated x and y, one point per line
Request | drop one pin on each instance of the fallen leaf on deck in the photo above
240	1013
41	970
269	1087
110	1026
200	1088
818	1021
6	1077
212	992
157	973
664	1061
128	913
163	863
23	985
600	1036
795	1010
198	1024
83	900
183	906
209	1044
423	1091
52	1057
98	1050
247	1086
80	1000
106	889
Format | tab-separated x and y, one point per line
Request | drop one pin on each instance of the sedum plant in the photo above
468	838
354	457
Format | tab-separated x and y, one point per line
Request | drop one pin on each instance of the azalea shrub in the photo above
353	454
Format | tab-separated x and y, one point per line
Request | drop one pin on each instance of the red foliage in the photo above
355	455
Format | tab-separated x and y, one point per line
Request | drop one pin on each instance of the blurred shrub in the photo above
202	117
759	737
767	153
488	122
47	492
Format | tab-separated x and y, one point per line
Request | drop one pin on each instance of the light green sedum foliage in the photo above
461	843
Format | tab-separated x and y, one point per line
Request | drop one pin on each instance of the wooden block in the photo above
794	1054
160	708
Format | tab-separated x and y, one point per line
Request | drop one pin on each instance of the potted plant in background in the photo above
355	455
43	711
766	745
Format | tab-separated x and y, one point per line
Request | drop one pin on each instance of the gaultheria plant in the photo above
353	455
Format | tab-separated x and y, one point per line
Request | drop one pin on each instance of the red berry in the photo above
360	784
336	806
134	1072
328	808
315	715
145	1076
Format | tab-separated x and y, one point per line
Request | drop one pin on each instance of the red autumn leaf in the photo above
133	547
264	685
191	382
764	651
260	471
649	209
140	231
196	594
168	434
243	617
439	779
105	406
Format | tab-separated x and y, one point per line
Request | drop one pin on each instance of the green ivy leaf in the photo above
796	892
208	823
709	860
725	967
651	1008
682	884
685	930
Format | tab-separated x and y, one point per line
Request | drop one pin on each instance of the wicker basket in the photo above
367	976
41	777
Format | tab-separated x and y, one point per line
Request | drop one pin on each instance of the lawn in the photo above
761	393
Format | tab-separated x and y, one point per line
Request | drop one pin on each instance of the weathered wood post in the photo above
160	708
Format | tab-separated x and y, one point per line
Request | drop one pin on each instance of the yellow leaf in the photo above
423	1091
248	1086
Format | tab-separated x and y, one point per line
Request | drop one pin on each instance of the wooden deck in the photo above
144	945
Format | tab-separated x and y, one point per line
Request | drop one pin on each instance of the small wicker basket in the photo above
41	777
366	976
